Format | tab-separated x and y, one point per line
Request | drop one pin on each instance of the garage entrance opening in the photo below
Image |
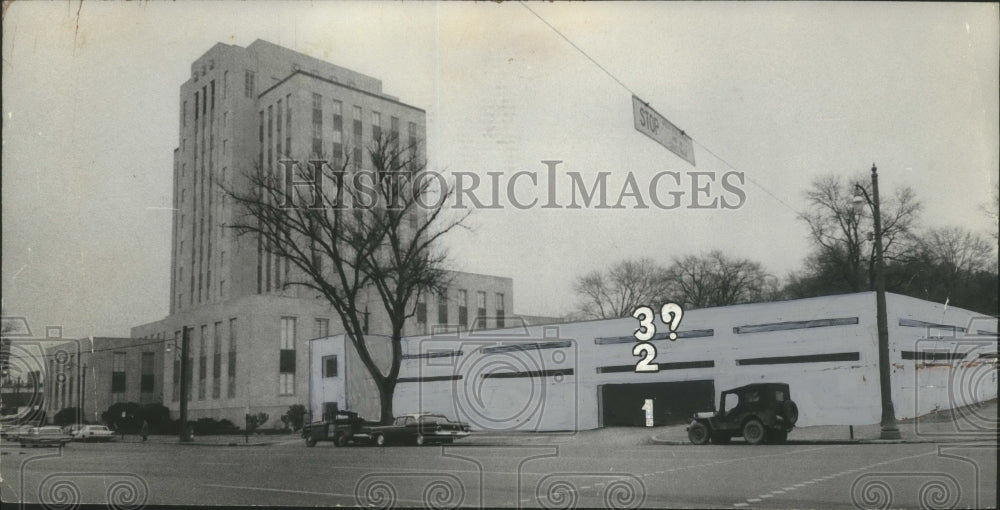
673	402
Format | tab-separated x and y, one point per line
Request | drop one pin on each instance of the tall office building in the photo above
239	107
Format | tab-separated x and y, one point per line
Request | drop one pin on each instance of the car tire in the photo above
721	438
420	440
310	441
339	440
753	432
790	411
698	433
379	440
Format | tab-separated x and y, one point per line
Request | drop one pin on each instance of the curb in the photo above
231	444
671	442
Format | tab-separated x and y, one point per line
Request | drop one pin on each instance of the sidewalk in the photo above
213	440
972	423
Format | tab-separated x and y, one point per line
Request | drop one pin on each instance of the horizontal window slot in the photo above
784	326
528	347
663	335
677	365
429	379
530	373
932	355
913	323
435	354
806	358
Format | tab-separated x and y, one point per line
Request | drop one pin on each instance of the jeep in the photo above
762	412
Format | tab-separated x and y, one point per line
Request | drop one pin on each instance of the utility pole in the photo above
888	423
185	435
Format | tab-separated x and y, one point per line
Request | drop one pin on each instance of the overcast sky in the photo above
782	92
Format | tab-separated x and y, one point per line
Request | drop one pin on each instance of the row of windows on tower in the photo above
463	311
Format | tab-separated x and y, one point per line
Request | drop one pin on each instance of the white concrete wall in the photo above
827	392
924	385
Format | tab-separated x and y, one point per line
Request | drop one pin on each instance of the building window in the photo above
463	308
231	362
443	308
500	310
329	366
394	129
217	359
184	114
278	123
248	85
338	135
286	359
288	124
147	382
421	313
118	373
317	125
481	309
376	126
202	361
357	125
321	328
225	84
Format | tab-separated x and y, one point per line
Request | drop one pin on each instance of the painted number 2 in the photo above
644	333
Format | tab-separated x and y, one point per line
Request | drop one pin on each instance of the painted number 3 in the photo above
670	313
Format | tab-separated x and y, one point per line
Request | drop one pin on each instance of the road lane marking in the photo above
293	491
739	505
829	477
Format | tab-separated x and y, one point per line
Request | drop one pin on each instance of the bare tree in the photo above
992	211
714	279
842	235
348	230
965	253
623	287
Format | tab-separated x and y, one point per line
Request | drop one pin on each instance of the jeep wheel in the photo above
419	440
753	432
339	439
698	433
720	438
790	411
310	441
380	440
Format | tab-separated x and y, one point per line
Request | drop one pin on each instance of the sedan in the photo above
45	436
93	433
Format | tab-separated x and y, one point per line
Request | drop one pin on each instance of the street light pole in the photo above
185	369
888	423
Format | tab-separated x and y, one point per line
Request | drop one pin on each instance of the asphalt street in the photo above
598	469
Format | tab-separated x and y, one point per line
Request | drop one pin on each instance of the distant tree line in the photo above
942	264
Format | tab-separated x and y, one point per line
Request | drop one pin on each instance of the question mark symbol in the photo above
674	311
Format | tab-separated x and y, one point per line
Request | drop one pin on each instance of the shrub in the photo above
130	423
67	416
158	417
294	416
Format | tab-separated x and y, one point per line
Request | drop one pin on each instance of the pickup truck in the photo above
346	427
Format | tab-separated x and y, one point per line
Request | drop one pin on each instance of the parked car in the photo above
93	433
72	429
762	412
12	433
419	429
45	436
